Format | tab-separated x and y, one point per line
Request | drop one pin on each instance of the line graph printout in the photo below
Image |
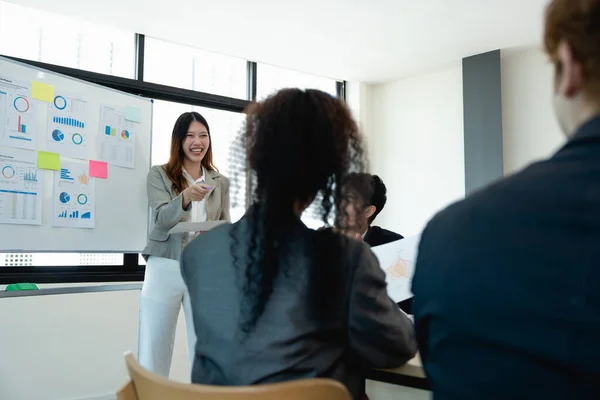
20	187
398	260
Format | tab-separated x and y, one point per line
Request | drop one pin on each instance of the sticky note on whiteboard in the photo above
42	91
98	169
48	160
133	114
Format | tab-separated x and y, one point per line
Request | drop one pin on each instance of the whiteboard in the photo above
121	204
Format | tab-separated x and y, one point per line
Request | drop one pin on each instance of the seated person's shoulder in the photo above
336	237
354	251
490	207
214	241
390	236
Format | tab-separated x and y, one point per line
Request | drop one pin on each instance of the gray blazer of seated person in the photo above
328	316
167	211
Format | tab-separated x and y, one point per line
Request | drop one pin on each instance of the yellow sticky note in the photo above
42	91
48	160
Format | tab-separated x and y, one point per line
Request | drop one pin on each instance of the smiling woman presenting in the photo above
187	188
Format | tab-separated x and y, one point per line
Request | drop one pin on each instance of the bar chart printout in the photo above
67	129
18	121
117	137
20	187
74	196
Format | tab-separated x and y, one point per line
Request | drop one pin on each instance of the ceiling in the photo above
357	40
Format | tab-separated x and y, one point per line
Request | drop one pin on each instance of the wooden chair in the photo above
145	385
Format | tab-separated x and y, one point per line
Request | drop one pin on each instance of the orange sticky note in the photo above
48	160
42	91
98	169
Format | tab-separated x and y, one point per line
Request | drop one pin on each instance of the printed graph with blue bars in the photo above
75	215
69	122
65	214
65	174
30	176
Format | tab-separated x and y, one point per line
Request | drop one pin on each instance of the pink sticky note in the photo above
98	169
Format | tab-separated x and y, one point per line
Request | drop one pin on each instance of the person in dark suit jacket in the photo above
273	300
365	196
507	282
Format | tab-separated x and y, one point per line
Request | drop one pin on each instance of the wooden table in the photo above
410	374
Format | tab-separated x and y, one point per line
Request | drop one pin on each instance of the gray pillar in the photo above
482	109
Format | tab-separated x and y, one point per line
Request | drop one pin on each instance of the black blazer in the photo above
377	236
507	284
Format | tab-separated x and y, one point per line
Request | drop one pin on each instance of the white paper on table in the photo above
398	259
196	226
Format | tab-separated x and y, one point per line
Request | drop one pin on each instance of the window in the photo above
69	42
224	129
271	79
189	68
42	36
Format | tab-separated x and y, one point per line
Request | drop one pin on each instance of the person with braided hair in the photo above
273	300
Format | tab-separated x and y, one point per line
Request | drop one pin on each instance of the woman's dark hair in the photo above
174	168
299	144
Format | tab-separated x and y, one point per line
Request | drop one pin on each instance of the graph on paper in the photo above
68	122
20	189
397	259
117	135
74	196
67	127
18	123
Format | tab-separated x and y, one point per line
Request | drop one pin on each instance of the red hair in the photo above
576	22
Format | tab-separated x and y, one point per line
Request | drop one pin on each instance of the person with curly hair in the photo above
273	300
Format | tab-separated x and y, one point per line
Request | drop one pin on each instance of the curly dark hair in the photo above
299	144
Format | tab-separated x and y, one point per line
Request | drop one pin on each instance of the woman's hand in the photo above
196	192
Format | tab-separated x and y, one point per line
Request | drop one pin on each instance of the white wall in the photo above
415	133
357	98
70	347
530	130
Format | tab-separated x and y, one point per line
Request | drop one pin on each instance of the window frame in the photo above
130	270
